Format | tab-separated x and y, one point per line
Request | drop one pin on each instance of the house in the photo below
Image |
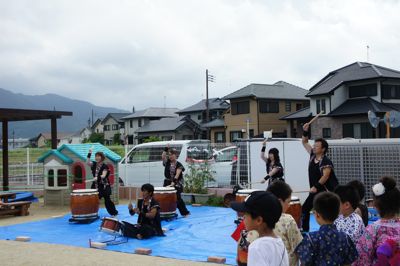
345	96
198	113
141	118
85	133
65	169
113	125
16	143
97	126
258	107
43	139
177	128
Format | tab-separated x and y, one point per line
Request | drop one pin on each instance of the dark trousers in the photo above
181	204
106	194
306	208
132	230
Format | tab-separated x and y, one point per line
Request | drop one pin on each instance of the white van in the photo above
143	163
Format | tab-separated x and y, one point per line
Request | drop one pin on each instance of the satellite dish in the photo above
373	119
394	119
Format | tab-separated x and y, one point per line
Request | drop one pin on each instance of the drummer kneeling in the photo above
149	221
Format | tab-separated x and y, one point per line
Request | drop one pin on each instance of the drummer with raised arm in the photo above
273	164
173	174
101	182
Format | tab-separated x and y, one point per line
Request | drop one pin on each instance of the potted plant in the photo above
196	179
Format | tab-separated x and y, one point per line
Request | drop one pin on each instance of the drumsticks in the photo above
315	118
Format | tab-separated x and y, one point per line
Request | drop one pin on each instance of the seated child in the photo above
262	211
348	221
372	244
362	209
327	246
286	228
149	221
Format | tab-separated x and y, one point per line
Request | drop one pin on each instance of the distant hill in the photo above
82	111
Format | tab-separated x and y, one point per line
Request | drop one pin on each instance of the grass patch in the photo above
215	201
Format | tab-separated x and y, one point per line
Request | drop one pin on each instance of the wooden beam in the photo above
54	132
5	155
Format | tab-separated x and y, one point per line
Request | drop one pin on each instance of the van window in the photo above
149	153
226	155
199	151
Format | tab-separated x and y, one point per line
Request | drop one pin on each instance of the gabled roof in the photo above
81	151
153	112
361	107
213	104
353	72
214	123
98	121
60	135
116	116
302	113
56	153
278	90
164	124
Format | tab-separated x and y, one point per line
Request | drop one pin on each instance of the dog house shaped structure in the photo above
65	169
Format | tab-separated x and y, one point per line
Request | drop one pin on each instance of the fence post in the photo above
27	166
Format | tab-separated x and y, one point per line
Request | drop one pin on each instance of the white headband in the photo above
378	189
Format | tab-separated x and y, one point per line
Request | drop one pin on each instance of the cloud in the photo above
124	53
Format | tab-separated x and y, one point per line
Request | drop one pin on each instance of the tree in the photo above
117	139
96	137
151	139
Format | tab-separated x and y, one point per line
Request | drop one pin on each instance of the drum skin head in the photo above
84	190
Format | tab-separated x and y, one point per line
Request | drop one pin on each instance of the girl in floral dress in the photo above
387	229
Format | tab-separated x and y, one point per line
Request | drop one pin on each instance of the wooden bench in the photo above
19	208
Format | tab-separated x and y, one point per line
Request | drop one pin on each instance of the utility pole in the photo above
209	78
92	117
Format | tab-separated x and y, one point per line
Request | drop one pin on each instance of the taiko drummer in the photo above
100	173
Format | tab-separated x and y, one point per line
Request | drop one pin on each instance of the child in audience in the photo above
327	246
262	211
386	230
362	209
348	221
286	228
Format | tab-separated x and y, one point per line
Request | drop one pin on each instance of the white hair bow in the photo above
378	189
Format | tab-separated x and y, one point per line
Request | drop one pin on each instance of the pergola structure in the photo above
13	115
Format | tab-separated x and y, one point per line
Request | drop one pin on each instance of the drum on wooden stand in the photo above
166	197
84	204
295	210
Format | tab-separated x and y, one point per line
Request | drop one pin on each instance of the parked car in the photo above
224	160
143	163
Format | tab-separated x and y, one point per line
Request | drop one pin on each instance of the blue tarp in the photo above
205	233
23	196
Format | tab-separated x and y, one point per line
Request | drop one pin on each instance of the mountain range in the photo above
82	112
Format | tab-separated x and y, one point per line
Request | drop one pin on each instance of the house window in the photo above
321	106
288	106
363	90
235	135
390	91
326	133
298	106
358	131
219	137
269	107
106	127
240	108
62	178
251	133
115	127
130	123
50	178
199	117
139	122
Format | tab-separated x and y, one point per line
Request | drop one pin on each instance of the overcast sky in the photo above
125	53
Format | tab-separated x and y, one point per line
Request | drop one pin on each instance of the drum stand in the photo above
86	220
169	217
118	239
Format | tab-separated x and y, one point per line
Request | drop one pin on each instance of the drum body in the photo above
84	204
110	225
166	197
295	210
242	194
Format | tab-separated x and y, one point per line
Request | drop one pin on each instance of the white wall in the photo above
340	96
